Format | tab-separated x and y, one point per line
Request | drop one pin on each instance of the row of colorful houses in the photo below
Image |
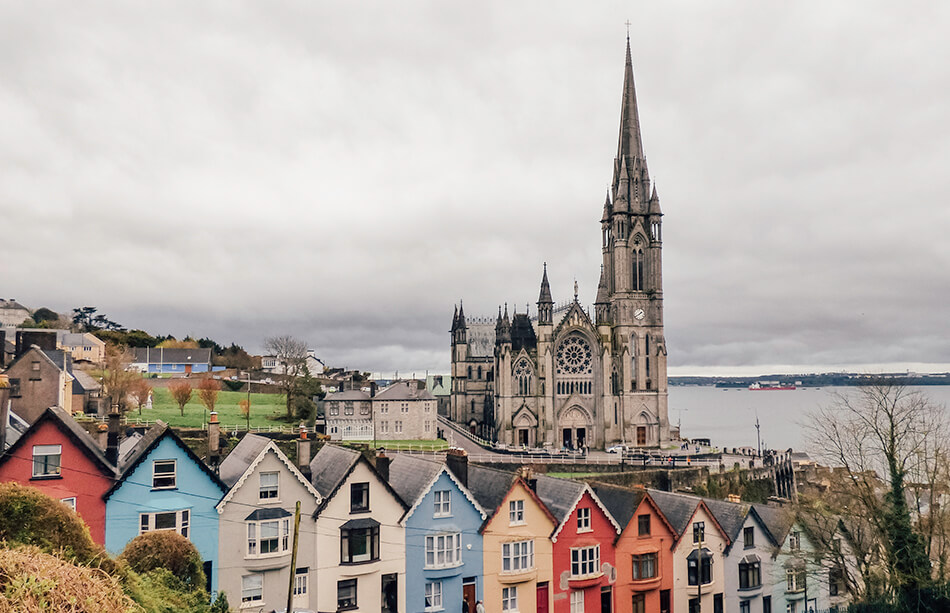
425	534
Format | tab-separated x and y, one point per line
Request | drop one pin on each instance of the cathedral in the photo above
562	379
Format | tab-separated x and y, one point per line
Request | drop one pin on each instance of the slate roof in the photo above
241	457
620	502
411	475
558	495
677	508
730	515
402	391
148	442
330	467
82	439
777	520
489	486
146	355
347	395
85	382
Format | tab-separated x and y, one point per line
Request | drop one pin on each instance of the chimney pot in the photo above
382	466
112	438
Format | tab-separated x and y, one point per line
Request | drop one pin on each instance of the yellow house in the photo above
518	563
82	346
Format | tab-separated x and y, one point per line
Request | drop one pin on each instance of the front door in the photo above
581	438
389	600
641	435
523	437
568	438
468	594
543	597
606	600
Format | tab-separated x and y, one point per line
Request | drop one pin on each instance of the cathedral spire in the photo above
461	320
545	296
629	145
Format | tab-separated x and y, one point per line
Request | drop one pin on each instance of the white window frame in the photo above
45	452
509	598
156	476
516	512
433	596
443	550
583	520
69	502
585	561
577	601
252	589
398	428
301	581
270	491
517	556
442	503
147	522
255	536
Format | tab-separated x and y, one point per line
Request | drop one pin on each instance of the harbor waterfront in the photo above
727	416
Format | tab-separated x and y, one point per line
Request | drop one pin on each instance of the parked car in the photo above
617	449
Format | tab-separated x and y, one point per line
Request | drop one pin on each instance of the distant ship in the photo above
770	385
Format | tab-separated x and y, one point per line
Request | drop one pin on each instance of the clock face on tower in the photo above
638	314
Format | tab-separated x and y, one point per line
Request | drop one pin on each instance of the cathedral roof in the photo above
522	334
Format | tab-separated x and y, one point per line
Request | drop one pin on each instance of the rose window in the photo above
574	356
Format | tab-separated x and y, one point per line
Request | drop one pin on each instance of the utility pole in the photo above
293	561
758	434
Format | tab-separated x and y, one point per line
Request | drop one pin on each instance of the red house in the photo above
644	551
583	547
56	456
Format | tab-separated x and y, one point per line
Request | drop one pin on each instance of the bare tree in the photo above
208	393
291	356
181	392
117	380
140	392
889	441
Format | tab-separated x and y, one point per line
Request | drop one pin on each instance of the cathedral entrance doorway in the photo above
523	437
641	435
574	425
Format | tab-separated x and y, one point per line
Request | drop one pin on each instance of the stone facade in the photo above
403	412
563	378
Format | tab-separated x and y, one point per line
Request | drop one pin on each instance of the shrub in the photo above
168	550
31	580
30	517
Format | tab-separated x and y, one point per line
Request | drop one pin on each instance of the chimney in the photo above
382	465
456	460
112	439
214	440
303	448
103	436
43	339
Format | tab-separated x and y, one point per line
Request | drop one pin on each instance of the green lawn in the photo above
229	413
425	444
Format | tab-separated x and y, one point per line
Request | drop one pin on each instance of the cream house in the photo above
698	552
256	529
83	346
404	412
359	537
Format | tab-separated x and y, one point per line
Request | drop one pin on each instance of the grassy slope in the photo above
229	413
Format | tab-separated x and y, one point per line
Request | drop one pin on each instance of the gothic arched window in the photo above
522	375
637	266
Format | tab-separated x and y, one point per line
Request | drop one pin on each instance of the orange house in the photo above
643	550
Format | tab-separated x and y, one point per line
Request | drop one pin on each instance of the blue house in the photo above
172	361
163	485
443	542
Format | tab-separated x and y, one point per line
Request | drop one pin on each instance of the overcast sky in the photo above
346	172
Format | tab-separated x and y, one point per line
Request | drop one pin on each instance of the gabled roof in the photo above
402	391
531	493
330	468
250	466
777	521
621	502
85	382
730	515
145	446
677	508
412	478
545	490
489	486
66	424
347	395
243	455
